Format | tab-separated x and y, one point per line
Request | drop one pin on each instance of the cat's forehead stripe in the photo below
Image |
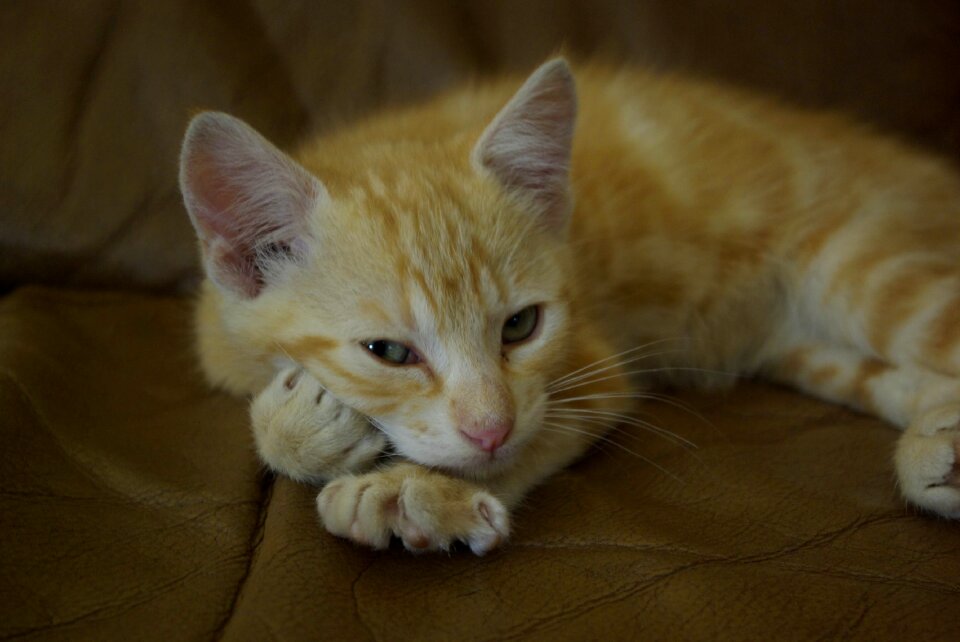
474	273
388	217
372	308
479	261
428	292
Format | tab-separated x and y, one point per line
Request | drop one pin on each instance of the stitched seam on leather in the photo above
79	466
645	584
356	602
109	609
256	539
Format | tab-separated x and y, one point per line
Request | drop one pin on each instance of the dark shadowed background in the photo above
96	94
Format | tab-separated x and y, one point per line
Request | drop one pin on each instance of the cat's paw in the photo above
928	461
303	432
428	511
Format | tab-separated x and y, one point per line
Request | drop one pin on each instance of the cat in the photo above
441	306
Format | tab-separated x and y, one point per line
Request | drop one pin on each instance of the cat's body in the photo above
711	234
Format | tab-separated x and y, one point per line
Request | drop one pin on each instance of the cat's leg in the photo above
887	283
426	509
430	510
303	432
926	404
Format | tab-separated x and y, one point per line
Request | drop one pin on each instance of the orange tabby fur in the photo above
744	236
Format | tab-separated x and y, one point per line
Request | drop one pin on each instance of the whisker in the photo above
604	395
644	371
672	401
617	417
610	425
379	426
647	355
570	429
597	395
613	428
567	376
676	403
601	437
632	421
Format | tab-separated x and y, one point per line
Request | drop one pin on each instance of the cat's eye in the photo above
392	352
521	325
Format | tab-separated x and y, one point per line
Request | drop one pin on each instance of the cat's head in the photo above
425	284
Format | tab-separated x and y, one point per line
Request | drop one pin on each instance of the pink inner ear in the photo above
217	201
247	200
228	232
527	146
226	208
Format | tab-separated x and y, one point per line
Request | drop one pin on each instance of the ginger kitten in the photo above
482	285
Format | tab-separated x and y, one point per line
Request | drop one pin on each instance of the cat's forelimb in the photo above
429	509
426	509
303	432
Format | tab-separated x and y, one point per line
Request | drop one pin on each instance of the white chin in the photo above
482	465
478	465
466	462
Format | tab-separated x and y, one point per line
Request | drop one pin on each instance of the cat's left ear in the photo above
527	146
248	201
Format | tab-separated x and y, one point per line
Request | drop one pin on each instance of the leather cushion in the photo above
133	507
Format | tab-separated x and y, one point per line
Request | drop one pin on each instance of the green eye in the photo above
521	325
392	352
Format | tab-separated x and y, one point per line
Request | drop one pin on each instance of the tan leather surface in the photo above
133	508
96	94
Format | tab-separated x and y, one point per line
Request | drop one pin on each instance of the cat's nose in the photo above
488	436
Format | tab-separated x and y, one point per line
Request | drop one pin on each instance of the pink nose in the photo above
488	437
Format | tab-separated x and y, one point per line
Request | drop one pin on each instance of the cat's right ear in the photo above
248	202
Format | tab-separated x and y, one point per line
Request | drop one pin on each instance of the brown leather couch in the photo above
132	506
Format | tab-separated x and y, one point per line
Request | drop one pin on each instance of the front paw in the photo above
303	432
428	511
928	461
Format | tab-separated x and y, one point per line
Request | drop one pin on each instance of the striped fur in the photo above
771	241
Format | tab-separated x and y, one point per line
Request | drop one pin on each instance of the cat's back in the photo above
705	147
685	166
664	163
689	141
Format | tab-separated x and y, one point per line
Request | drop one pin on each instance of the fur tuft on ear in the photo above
527	146
248	201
